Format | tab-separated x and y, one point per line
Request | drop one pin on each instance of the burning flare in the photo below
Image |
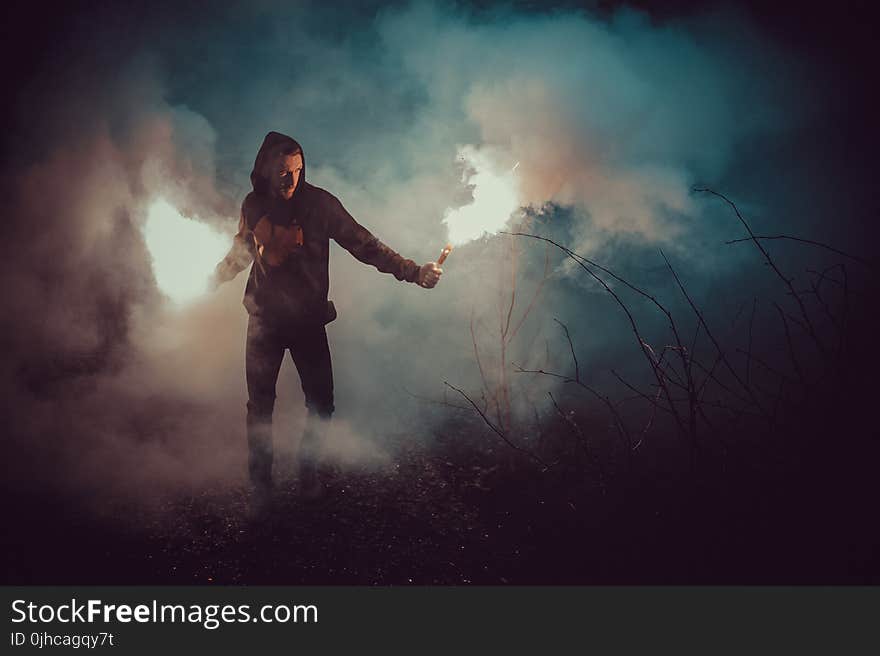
184	251
495	198
444	254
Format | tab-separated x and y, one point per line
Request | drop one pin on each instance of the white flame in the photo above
184	251
495	198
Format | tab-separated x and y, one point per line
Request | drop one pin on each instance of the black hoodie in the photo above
296	290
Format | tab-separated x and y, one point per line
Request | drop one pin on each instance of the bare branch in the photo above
500	433
709	334
856	258
483	378
618	422
710	375
583	262
577	373
579	435
427	399
769	260
642	394
536	295
764	365
506	328
791	352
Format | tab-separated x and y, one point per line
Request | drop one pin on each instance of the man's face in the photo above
285	177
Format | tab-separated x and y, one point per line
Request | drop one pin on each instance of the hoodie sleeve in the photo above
361	243
243	249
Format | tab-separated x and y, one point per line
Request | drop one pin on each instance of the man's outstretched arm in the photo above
367	248
239	256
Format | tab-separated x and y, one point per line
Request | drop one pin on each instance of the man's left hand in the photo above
429	275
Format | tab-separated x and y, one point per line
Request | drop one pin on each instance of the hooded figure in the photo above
285	229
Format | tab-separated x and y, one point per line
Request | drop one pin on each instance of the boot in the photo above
260	464
311	485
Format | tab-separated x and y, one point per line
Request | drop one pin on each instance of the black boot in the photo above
311	485
260	463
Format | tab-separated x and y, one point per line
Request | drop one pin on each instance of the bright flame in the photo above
184	251
495	198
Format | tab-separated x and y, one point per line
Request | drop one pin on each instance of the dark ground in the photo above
792	502
461	512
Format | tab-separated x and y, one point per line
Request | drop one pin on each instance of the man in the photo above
285	229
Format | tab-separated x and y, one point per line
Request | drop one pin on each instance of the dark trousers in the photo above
266	343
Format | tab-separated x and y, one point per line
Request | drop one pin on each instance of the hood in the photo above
273	144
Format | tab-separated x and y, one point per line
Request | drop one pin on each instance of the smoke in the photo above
495	198
612	119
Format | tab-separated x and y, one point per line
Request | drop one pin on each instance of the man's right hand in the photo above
429	275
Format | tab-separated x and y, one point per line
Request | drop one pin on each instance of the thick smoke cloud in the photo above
612	118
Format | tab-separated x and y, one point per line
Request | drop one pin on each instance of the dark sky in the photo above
838	35
836	39
835	42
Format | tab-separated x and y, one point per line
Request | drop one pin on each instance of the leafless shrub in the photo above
700	388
